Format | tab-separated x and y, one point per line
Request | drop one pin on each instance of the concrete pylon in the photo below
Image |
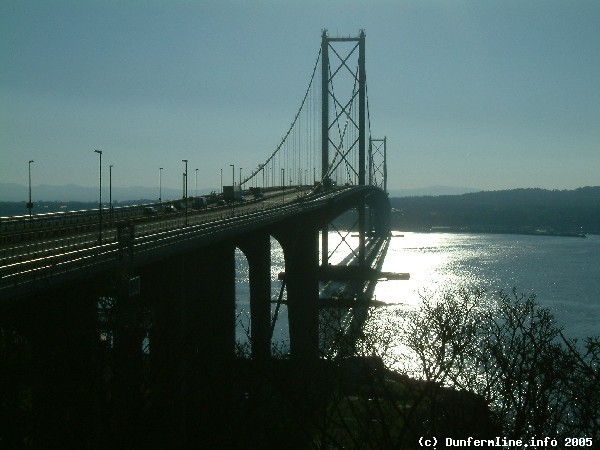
300	245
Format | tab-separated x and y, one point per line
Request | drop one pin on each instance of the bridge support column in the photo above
213	291
193	302
192	341
257	249
210	342
161	287
324	135
301	262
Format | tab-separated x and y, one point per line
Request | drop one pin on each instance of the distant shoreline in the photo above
467	230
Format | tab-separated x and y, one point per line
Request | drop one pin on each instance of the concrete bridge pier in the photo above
300	243
192	337
210	335
257	248
212	287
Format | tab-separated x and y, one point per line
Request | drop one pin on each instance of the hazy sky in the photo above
484	94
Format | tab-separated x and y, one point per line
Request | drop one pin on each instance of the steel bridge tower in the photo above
357	77
378	163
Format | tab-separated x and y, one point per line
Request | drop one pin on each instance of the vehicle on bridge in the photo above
257	193
200	202
232	193
170	209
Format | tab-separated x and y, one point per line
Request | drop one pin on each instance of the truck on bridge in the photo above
200	202
232	193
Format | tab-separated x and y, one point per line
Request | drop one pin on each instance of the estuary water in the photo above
563	273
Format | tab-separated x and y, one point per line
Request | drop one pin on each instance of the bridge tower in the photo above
344	121
378	163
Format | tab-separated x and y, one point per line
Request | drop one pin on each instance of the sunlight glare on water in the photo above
432	266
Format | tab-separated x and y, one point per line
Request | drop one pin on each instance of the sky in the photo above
482	94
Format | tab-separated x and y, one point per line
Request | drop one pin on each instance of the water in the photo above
564	273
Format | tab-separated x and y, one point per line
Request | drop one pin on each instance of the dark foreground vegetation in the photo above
512	211
488	366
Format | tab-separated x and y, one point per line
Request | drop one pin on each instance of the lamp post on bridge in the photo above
221	181
29	204
196	183
100	198
110	189
160	169
240	177
185	190
232	184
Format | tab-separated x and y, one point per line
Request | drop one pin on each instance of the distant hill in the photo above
431	190
516	210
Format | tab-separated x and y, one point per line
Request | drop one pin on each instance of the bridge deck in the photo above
45	261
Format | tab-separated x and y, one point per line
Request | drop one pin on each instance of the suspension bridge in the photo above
164	274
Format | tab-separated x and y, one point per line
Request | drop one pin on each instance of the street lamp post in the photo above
100	198
160	169
232	190
110	189
30	205
185	190
196	183
240	177
221	181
